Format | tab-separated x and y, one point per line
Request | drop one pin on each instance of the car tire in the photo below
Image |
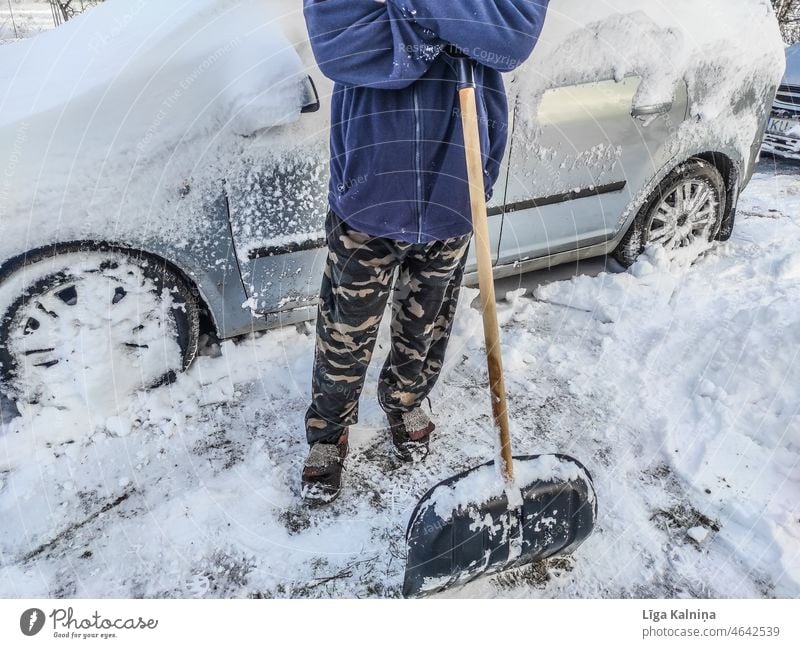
103	314
672	218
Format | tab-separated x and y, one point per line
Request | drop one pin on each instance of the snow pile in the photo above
486	483
710	372
681	401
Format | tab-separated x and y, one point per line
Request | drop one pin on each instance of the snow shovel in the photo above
481	522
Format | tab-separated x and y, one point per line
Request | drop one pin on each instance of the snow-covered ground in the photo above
676	385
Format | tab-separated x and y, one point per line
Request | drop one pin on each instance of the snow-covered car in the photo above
782	137
158	162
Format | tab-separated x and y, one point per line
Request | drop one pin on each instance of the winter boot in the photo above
411	433
322	471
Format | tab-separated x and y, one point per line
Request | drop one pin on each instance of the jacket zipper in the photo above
418	160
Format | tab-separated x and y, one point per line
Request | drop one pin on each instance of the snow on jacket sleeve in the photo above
368	43
500	34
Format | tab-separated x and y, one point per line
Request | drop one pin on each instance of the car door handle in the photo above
652	109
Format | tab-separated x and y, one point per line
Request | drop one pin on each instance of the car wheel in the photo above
687	206
91	325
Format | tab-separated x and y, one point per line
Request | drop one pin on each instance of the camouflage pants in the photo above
360	274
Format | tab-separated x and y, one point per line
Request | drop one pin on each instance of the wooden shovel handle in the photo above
480	226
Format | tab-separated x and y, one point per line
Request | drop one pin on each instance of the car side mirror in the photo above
310	97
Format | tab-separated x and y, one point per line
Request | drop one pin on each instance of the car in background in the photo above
782	137
157	166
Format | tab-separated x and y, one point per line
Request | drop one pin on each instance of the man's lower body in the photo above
361	273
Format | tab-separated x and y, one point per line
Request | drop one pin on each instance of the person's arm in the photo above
500	34
368	43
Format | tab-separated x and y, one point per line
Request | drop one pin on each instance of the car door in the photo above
277	202
579	155
574	172
277	197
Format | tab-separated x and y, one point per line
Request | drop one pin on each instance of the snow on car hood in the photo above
112	111
155	68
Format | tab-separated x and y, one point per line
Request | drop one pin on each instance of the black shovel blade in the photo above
453	539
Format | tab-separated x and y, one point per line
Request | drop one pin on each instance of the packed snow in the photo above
674	383
487	482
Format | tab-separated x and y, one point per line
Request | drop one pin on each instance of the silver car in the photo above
119	256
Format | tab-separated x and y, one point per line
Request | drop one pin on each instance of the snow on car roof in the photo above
658	42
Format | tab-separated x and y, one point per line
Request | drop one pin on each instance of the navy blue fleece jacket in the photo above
397	157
